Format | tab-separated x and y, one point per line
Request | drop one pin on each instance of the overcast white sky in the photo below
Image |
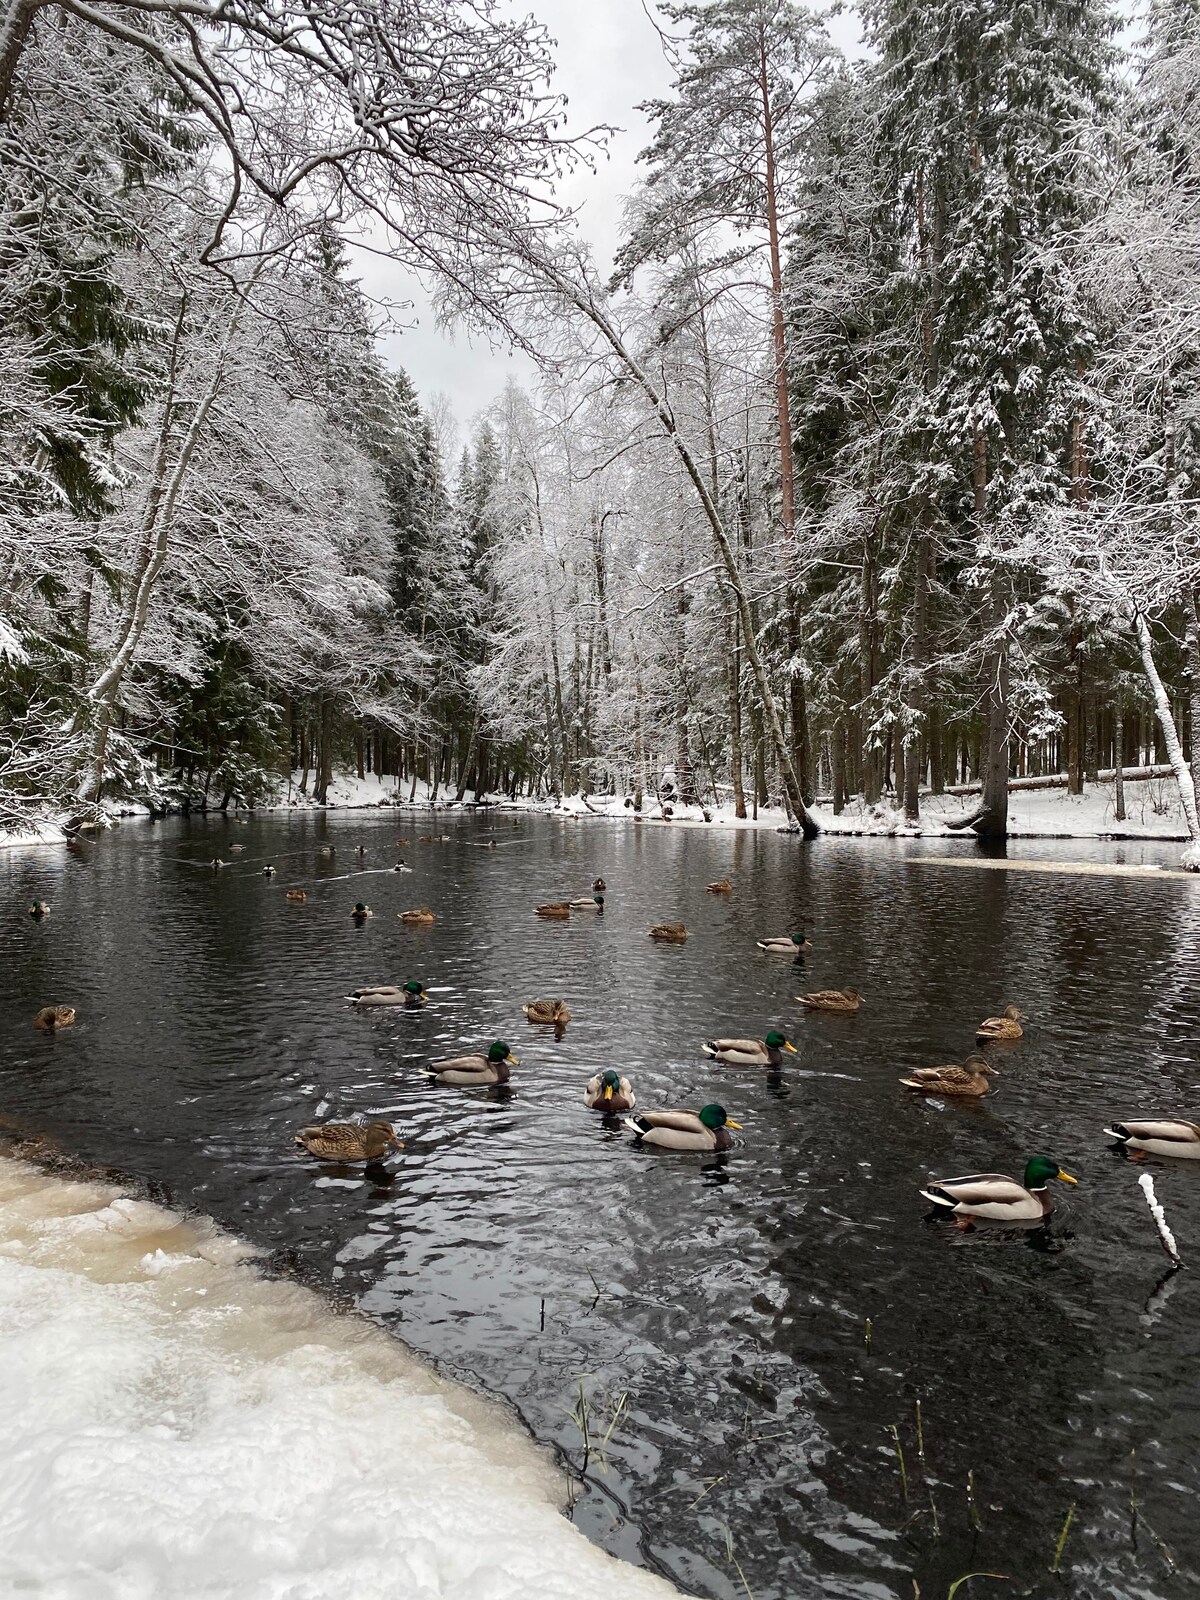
609	58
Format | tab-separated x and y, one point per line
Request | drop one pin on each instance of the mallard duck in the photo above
401	866
51	1017
268	871
706	1129
297	896
349	1141
831	1000
216	862
422	916
234	848
1006	1027
360	849
555	1011
766	1052
669	932
969	1079
598	886
587	902
327	850
425	838
559	910
467	1071
361	911
722	886
411	993
40	908
1001	1199
1158	1138
786	944
609	1092
402	844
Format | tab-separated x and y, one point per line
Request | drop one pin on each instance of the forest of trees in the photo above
869	472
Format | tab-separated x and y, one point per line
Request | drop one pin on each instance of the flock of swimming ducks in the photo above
990	1196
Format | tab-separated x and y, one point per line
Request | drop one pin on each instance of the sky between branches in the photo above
610	59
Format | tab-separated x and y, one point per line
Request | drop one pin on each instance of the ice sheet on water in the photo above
177	1426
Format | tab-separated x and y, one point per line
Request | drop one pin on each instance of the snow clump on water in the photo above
178	1426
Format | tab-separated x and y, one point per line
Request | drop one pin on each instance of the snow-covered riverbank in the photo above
178	1426
1152	811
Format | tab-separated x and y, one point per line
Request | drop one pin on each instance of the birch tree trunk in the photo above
162	500
1170	733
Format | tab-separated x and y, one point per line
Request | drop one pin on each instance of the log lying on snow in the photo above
1059	780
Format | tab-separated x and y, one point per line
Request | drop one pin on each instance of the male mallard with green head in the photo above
766	1052
609	1092
786	944
1158	1138
706	1129
999	1199
361	911
410	994
468	1072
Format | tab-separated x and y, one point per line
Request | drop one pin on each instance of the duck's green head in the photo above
610	1084
359	908
1040	1170
715	1117
779	1041
599	899
499	1051
413	987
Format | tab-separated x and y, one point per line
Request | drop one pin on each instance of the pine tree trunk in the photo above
916	695
324	751
733	683
1118	774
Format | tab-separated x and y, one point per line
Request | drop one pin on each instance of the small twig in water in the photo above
737	1564
920	1438
1062	1538
895	1433
966	1578
976	1521
709	1483
867	1335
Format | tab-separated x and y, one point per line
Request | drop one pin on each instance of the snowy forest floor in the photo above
1152	811
183	1425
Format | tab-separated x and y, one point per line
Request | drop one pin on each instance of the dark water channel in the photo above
767	1316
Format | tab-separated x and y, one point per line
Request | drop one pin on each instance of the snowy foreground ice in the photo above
176	1425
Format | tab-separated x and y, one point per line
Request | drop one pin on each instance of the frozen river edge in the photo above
179	1425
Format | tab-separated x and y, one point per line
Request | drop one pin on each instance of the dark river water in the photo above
748	1329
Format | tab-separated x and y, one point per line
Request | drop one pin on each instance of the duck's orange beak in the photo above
790	1047
730	1123
608	1091
1066	1177
512	1061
